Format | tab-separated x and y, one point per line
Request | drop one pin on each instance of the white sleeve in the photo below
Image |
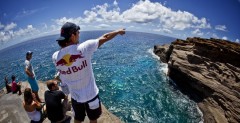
54	57
27	64
90	46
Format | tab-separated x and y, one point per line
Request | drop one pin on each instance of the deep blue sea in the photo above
131	79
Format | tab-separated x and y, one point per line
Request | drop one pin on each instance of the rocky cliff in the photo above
208	71
12	111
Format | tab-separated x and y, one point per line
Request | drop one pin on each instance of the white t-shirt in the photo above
74	64
29	67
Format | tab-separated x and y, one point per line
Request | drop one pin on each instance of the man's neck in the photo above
68	45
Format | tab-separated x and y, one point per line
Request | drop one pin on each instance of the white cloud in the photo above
237	40
25	13
224	38
103	26
44	26
8	34
107	16
197	32
221	27
1	26
10	26
214	35
26	31
115	3
163	30
90	16
4	36
146	11
167	31
63	20
131	26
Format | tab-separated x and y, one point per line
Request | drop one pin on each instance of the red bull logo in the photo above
74	69
68	59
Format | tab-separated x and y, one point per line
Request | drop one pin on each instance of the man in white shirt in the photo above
73	62
31	75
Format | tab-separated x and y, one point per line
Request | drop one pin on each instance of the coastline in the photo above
165	70
207	71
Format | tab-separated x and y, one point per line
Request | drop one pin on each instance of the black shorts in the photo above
92	108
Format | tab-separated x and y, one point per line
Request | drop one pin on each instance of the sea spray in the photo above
164	69
201	114
163	66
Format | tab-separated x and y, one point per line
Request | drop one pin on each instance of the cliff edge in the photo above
208	71
11	109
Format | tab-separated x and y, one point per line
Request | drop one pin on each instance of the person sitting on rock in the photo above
33	107
16	87
56	108
8	87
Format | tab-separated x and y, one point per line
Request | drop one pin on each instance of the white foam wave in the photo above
163	66
200	112
153	54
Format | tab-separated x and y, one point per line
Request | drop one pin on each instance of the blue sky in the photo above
26	19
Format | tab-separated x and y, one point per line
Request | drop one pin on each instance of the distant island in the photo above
208	71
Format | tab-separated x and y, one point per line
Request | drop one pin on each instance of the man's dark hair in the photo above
13	77
63	43
66	32
50	84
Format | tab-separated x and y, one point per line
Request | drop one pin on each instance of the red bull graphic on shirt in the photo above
68	60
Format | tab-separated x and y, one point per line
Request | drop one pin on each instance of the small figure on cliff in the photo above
16	87
31	75
8	87
33	107
56	108
73	61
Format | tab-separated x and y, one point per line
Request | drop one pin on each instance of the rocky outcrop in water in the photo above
208	71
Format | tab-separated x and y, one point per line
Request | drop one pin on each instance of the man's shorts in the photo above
33	84
92	108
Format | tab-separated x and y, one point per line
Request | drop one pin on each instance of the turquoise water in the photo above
131	80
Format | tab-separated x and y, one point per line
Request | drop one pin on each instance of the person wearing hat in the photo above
73	62
31	75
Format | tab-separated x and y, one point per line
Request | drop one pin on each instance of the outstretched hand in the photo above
108	36
121	31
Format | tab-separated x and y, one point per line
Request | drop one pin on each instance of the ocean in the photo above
132	81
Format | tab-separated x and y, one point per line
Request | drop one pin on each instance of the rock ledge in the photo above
208	71
11	109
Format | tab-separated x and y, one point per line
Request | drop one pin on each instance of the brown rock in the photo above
208	71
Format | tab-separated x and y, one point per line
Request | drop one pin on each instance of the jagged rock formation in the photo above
208	71
12	111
